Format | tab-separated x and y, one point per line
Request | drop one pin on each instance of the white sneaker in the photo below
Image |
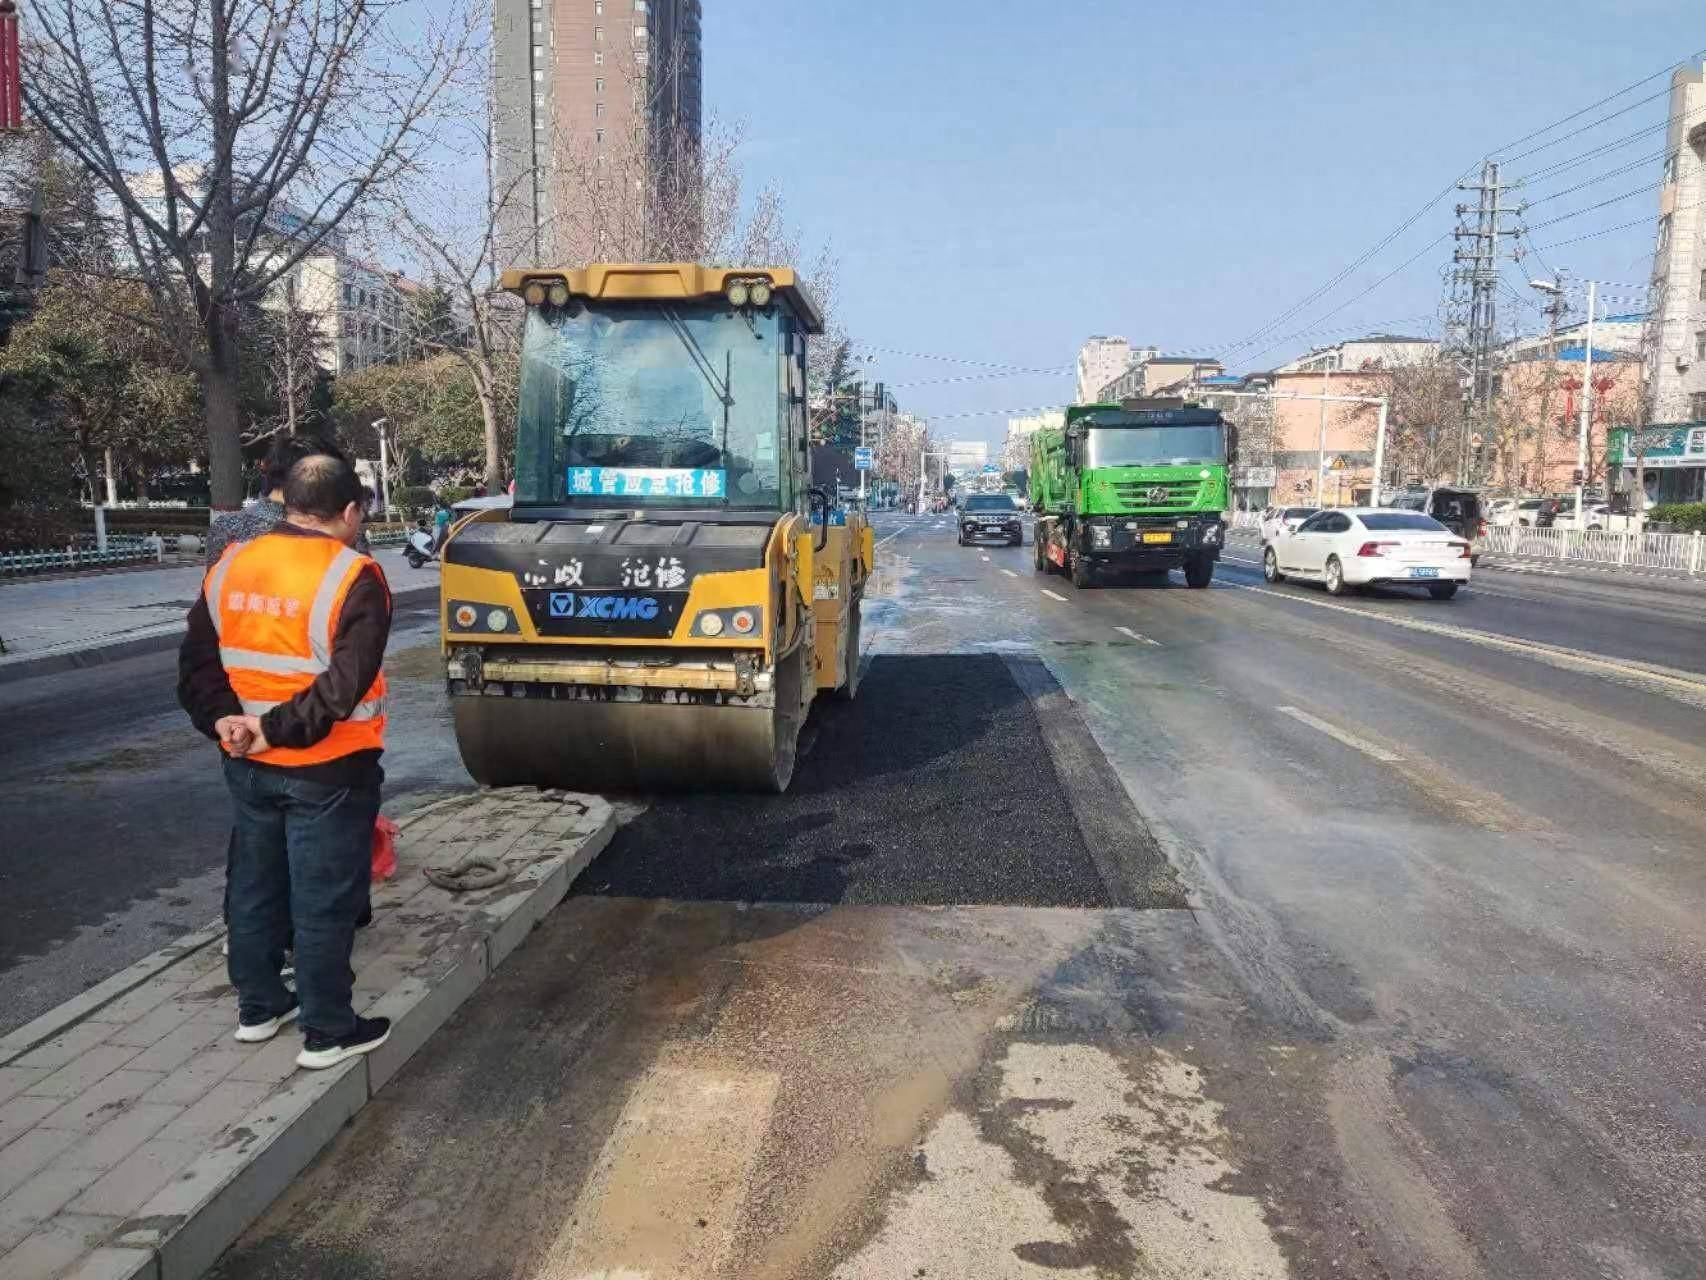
255	1032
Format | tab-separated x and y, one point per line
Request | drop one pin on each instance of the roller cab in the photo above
668	592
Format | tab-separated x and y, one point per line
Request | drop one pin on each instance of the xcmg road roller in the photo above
667	592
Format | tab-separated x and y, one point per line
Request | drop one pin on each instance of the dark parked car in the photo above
990	515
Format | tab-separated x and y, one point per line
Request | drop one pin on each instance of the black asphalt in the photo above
936	787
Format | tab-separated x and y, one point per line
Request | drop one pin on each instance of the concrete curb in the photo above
151	640
206	1182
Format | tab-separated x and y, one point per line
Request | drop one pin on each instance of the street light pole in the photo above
1379	455
379	425
1587	408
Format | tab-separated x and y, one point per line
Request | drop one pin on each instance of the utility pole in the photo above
1472	323
1555	311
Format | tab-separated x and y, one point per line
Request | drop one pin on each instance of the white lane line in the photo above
1052	596
1008	572
1555	654
1254	564
1333	731
891	537
986	559
1137	635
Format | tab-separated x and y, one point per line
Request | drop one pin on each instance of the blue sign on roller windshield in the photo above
646	482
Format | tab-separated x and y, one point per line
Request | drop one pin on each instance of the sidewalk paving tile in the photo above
133	1181
117	1264
22	1114
138	1137
55	1245
44	1194
28	1152
117	1138
95	1065
98	1103
14	1080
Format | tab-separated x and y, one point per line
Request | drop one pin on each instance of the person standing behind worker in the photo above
266	512
440	526
281	665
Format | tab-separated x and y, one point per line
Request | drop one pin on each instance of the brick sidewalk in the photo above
138	1138
133	611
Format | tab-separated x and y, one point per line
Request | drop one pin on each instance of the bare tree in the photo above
1425	420
295	348
234	137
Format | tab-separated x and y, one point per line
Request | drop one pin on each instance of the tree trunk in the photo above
224	426
494	479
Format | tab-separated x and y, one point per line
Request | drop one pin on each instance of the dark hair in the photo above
321	486
287	451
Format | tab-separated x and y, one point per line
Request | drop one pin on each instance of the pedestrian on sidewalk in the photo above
281	665
266	513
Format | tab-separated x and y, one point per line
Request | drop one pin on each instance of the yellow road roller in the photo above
668	591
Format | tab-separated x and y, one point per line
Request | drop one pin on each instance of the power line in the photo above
1605	231
1595	106
1576	213
1642	163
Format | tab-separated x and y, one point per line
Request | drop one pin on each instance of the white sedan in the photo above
1352	547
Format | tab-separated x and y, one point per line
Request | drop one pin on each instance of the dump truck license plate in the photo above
1157	537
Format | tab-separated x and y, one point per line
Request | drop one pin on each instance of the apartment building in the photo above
596	119
1157	374
1676	370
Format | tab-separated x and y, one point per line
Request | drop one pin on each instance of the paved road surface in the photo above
1434	1010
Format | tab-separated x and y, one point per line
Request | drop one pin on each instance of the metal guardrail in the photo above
83	554
1676	552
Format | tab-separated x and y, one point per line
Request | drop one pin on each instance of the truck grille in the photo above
1166	493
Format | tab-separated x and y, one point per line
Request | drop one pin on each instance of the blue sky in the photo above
1002	179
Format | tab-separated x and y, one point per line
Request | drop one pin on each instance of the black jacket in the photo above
358	649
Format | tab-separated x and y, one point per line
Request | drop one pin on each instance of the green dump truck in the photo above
1139	487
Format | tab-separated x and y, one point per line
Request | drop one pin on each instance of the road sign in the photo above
862	458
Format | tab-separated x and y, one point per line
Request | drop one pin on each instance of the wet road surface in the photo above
1432	1009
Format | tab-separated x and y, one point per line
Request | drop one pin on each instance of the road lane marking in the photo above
1254	564
891	537
1552	653
1052	596
1333	731
986	558
1008	572
1137	635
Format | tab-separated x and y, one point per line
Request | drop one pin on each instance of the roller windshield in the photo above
679	405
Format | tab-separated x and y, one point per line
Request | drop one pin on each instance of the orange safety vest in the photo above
275	603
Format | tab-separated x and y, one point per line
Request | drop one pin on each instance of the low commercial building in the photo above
1159	375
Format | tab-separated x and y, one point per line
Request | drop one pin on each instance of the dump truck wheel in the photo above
1083	576
1199	572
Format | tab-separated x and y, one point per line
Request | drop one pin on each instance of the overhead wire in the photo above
1265	330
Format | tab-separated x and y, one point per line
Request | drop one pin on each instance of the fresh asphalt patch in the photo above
954	779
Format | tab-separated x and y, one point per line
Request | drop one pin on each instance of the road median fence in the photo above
92	551
1672	552
1666	552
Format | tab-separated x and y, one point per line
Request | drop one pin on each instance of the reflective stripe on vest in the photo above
275	603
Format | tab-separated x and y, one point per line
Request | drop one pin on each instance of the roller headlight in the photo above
760	293
497	620
534	293
710	625
738	293
559	294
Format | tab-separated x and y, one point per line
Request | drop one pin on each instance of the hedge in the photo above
413	500
1684	517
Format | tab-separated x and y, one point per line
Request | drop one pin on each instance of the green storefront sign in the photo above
1676	444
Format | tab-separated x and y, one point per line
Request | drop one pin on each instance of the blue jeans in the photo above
301	857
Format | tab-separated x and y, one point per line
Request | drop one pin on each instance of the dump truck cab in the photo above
668	591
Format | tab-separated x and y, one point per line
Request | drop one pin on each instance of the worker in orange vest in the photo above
281	664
